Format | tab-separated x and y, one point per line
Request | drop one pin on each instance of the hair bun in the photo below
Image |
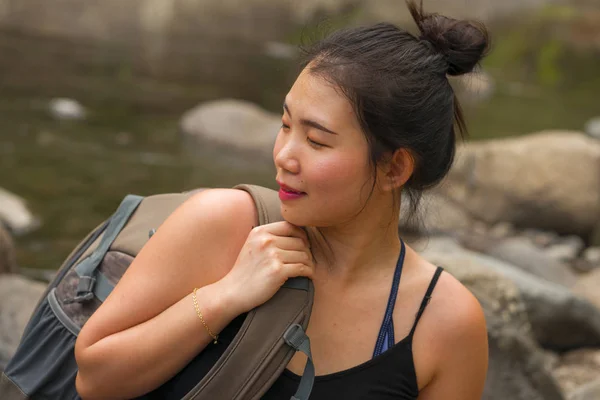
464	43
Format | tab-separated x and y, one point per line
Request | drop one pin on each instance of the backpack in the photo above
44	366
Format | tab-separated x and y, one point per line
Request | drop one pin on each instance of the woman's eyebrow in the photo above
309	122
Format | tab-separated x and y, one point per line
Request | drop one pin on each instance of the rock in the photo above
592	128
480	228
18	298
234	124
592	254
591	391
502	230
577	368
67	109
540	238
521	253
559	319
551	359
589	260
15	215
588	287
515	180
566	249
583	266
436	215
516	371
8	261
38	274
517	366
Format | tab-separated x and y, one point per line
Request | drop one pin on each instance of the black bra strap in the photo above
427	297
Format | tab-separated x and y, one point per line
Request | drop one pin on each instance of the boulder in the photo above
591	391
522	253
592	128
18	298
592	254
577	368
233	124
588	287
436	215
8	262
14	213
560	320
502	230
566	249
67	109
589	260
517	365
583	266
548	180
540	238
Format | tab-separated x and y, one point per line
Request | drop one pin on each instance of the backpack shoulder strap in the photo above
267	203
270	335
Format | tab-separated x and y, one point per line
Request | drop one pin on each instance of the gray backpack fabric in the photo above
44	366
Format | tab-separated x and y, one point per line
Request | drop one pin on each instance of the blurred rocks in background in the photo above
235	125
592	128
15	215
548	180
8	262
67	109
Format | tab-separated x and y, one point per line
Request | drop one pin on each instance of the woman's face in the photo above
321	151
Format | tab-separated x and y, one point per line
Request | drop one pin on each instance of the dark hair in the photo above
398	85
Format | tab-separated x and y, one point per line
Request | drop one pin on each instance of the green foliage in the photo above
548	59
557	13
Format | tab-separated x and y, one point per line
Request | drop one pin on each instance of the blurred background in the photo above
99	99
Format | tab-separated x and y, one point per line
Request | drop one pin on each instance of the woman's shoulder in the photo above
452	329
220	206
455	308
214	222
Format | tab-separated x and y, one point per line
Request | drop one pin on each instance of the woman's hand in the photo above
272	254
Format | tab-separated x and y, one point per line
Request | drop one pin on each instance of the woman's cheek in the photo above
337	173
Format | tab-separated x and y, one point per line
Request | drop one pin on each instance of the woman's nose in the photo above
286	157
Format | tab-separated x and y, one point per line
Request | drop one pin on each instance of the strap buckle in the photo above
294	336
84	292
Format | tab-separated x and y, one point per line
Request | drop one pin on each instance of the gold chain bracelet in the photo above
215	337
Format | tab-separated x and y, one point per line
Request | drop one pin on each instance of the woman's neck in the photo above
352	251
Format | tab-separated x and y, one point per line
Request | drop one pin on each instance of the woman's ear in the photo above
397	170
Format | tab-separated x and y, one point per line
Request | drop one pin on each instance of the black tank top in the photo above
389	375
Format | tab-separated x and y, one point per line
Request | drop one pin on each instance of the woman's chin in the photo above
293	217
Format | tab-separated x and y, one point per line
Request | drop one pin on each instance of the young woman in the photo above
369	121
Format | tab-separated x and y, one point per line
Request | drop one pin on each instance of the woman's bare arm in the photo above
147	330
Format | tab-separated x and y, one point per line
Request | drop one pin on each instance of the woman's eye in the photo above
313	143
284	126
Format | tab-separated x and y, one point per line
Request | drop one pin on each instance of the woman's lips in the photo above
288	193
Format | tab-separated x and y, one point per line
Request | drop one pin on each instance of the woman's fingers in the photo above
295	256
291	243
283	228
295	270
